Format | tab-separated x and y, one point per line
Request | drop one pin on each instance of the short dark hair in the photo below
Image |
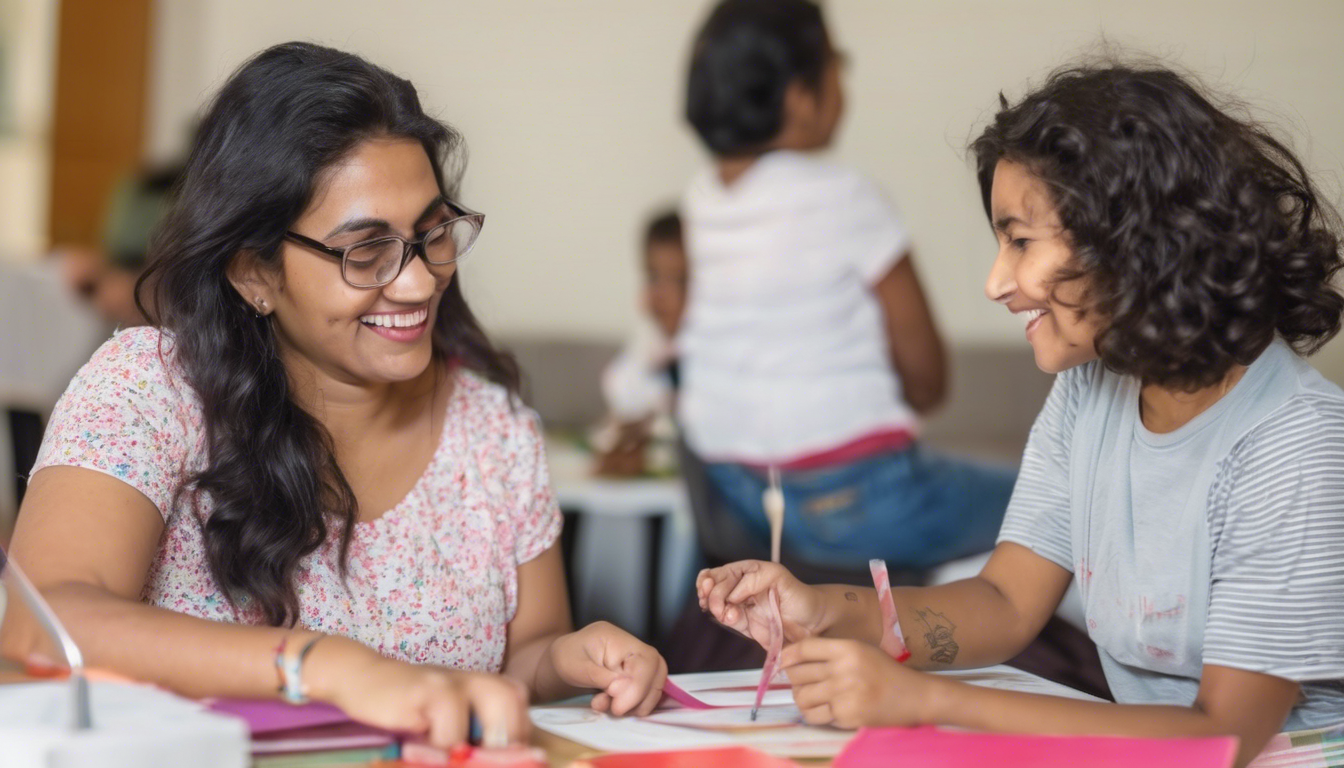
744	58
1199	236
664	227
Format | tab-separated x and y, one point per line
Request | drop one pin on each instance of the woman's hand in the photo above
735	595
850	684
627	674
419	699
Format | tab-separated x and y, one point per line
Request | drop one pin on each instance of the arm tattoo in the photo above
942	648
851	597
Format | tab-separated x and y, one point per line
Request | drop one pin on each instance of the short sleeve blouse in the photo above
434	580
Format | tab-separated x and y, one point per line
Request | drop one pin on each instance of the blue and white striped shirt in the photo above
1219	543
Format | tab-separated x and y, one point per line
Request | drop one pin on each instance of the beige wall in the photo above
571	109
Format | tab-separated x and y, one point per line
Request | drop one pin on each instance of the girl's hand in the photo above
432	701
735	595
627	674
850	685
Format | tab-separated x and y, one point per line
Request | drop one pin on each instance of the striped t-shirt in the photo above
1219	543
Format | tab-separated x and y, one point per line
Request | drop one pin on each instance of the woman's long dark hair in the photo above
1198	235
283	118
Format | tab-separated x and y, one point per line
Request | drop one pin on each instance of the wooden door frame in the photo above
98	122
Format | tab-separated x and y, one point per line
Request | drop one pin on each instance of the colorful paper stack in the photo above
1317	748
286	736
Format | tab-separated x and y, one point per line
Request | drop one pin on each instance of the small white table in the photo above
631	546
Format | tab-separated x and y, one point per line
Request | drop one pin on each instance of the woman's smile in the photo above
405	326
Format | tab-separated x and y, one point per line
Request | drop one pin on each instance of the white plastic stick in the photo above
14	577
773	502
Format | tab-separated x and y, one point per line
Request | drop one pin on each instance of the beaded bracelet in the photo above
290	670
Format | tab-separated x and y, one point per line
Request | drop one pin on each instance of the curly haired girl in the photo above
1173	264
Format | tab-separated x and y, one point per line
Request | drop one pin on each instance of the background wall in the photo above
572	114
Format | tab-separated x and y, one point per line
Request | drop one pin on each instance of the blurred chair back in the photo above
561	378
723	539
48	336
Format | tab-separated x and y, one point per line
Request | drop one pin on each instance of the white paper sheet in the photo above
678	728
778	734
1010	679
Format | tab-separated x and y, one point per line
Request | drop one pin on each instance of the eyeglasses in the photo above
375	263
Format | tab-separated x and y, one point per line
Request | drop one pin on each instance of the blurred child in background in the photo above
808	343
105	277
640	383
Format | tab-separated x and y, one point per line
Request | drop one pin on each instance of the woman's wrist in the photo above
550	673
332	662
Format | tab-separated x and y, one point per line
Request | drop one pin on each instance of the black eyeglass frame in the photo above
408	247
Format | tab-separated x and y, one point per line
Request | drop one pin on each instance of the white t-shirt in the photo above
635	383
784	348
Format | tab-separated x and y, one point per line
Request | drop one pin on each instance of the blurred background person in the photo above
808	343
640	384
104	278
60	311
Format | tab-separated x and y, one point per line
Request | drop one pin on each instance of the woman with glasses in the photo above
311	476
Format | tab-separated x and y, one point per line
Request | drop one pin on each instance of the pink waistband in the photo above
871	444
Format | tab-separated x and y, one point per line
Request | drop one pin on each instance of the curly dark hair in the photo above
279	123
1198	236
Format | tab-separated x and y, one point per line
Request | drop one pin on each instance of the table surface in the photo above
577	487
561	752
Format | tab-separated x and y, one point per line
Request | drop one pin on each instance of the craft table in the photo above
629	545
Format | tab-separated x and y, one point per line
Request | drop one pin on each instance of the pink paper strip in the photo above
723	757
772	653
930	747
678	694
893	641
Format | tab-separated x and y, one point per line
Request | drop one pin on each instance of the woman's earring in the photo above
261	307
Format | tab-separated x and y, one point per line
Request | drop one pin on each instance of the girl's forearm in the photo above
850	613
961	625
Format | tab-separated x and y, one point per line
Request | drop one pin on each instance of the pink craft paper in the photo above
322	738
724	757
893	640
518	756
266	717
930	747
746	688
772	653
678	694
280	728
